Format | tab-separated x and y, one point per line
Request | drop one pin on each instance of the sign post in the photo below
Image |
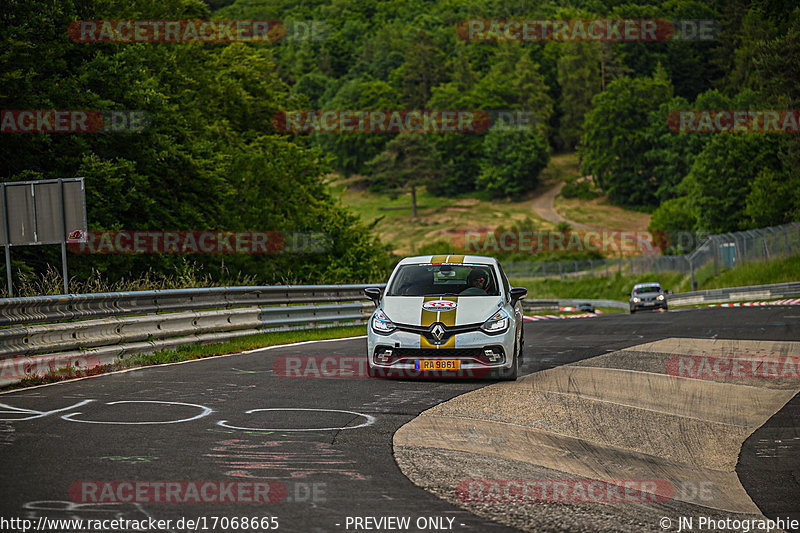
42	212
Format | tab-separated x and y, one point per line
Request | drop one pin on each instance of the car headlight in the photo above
497	324
381	323
636	300
660	297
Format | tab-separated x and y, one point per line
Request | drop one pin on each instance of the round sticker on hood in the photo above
439	305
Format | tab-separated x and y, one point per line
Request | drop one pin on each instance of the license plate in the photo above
649	303
437	364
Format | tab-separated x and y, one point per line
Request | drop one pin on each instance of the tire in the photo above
510	374
633	310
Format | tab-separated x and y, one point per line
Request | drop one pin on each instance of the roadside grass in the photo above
596	212
617	285
195	351
600	214
440	219
187	275
780	270
562	167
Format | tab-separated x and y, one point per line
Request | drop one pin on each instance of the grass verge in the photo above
191	352
617	286
783	270
599	213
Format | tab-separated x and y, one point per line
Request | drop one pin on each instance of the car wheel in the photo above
633	310
510	374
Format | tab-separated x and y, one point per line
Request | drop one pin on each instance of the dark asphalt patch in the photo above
352	470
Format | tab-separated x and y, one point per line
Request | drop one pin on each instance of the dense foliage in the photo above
210	160
213	159
610	100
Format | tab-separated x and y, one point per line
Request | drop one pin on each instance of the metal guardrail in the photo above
101	328
542	305
737	294
732	294
75	306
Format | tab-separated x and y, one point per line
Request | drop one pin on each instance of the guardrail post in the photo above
715	251
786	237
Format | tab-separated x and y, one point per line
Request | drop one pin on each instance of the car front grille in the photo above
466	355
449	331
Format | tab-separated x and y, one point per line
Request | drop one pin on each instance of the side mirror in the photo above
374	294
518	293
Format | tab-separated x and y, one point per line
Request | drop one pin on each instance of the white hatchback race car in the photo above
446	315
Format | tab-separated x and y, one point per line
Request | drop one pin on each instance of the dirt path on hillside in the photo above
544	206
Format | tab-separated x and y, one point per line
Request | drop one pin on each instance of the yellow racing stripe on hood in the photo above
448	318
428	317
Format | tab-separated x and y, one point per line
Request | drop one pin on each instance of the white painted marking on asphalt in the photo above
12	409
298	344
205	412
369	420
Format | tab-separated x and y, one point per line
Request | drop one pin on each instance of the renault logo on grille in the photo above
437	331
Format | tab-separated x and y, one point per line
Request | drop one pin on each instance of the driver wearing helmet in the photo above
478	283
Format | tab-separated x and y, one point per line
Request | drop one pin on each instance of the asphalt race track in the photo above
320	446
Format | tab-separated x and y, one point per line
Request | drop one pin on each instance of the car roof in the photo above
647	284
449	258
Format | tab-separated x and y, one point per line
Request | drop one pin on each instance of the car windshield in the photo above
647	289
444	280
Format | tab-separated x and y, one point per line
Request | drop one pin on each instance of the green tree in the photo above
579	80
512	161
614	141
409	161
352	150
671	153
773	198
209	160
723	174
421	71
670	222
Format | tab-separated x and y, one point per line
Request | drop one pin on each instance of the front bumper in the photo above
654	304
469	348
